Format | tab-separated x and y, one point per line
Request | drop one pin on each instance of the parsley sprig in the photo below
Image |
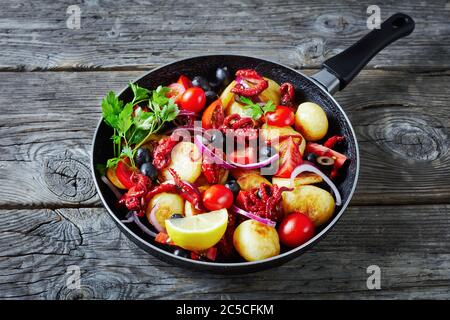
256	110
132	127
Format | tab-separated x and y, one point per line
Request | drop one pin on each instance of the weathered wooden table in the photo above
52	81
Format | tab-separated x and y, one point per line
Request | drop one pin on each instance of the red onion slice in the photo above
142	226
208	153
257	165
267	222
185	113
310	168
111	186
154	221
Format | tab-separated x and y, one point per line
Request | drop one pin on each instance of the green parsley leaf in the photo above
112	163
256	110
140	93
111	108
144	120
125	120
127	152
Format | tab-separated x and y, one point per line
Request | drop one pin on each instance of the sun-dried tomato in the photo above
187	191
161	154
333	141
287	93
263	201
257	84
211	171
225	247
135	198
240	127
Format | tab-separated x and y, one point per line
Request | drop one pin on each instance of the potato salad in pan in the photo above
229	169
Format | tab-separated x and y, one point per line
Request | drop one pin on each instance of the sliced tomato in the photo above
244	155
322	151
124	172
213	116
290	158
176	92
185	82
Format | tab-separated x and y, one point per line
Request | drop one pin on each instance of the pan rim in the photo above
234	265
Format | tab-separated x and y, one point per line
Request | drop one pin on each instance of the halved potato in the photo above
256	241
189	209
316	203
272	92
236	107
311	120
303	178
167	205
274	133
251	180
186	160
227	97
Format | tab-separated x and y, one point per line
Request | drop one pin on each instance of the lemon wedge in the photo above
198	232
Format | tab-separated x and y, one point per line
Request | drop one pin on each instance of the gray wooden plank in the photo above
142	34
401	119
410	244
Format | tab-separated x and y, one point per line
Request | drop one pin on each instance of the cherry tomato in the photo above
213	116
176	92
124	172
217	197
281	117
185	82
244	155
193	99
295	229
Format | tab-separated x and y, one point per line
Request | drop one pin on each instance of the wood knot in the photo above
333	23
68	179
310	52
413	138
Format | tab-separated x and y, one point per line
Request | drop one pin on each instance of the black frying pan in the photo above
337	72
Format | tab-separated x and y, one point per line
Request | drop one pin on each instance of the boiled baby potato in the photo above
311	121
186	160
189	209
272	93
272	133
303	178
167	205
256	241
227	97
251	180
236	107
316	203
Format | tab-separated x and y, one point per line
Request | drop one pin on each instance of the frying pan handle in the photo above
339	70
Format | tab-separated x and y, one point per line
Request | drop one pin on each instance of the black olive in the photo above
182	253
311	157
223	76
149	170
201	82
211	96
176	216
233	186
325	161
142	156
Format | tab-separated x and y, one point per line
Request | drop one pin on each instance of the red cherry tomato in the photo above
193	99
281	117
213	116
176	92
243	155
295	229
185	82
217	197
124	172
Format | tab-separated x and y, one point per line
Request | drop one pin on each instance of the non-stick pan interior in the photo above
306	90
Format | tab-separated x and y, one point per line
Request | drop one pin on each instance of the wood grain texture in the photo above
412	250
401	120
142	34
